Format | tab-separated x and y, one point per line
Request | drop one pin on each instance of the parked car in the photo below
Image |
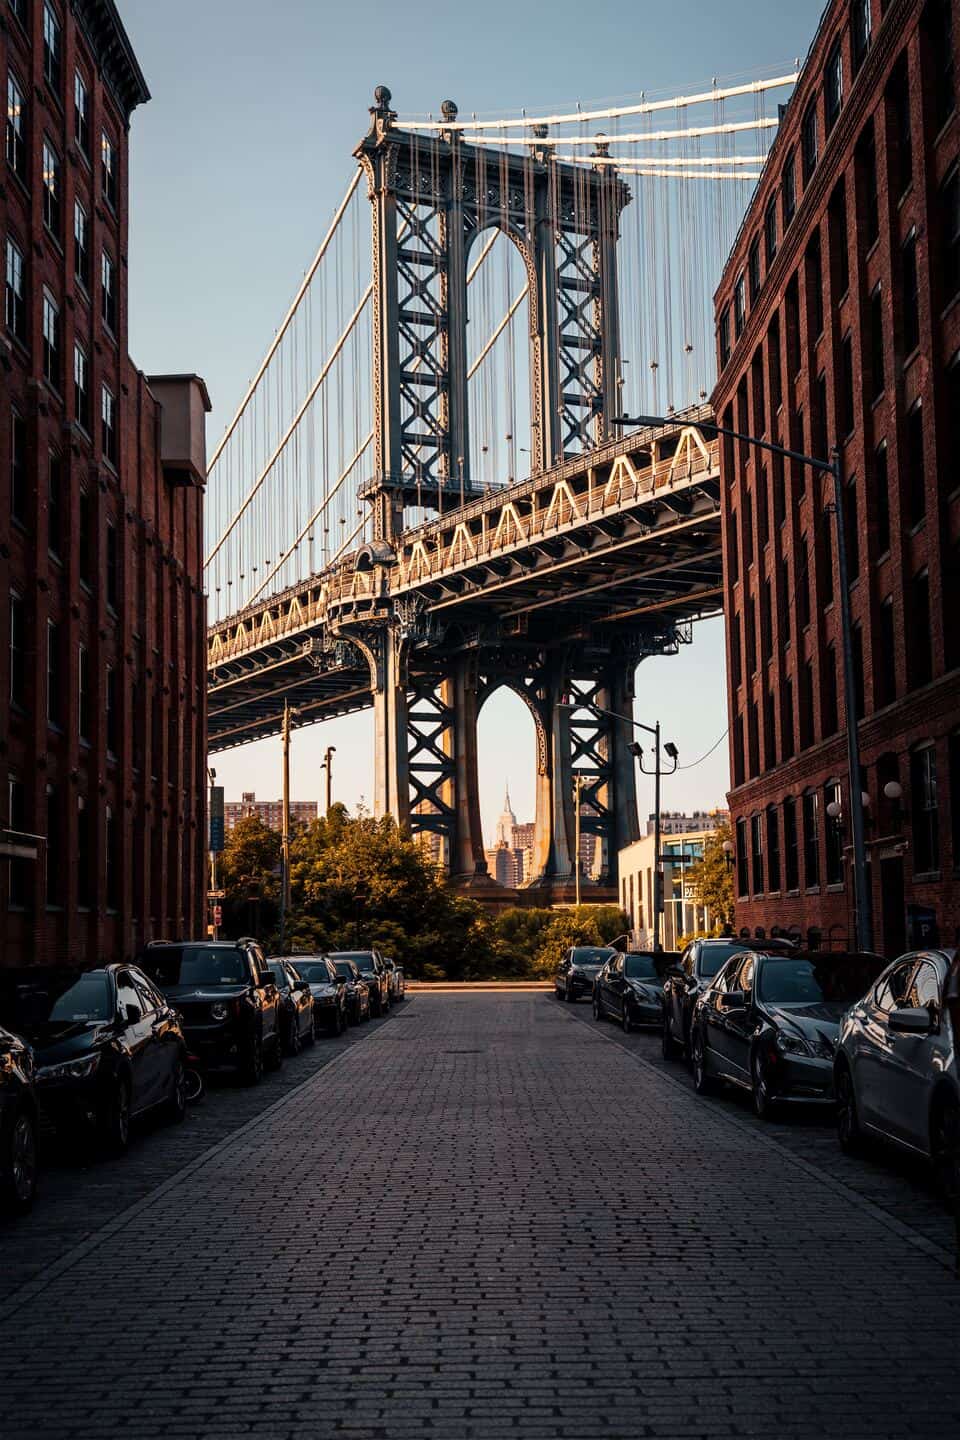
769	1023
19	1125
297	1024
629	988
227	999
578	969
107	1047
374	972
895	1069
356	990
699	964
398	983
328	991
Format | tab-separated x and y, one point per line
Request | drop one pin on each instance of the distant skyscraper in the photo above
506	824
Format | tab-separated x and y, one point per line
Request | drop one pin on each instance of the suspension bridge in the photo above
427	493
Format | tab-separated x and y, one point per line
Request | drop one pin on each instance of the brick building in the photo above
269	811
838	323
102	666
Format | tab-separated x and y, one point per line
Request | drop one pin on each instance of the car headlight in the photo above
218	1010
791	1044
823	1049
70	1069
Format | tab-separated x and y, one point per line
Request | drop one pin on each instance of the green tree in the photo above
248	871
711	880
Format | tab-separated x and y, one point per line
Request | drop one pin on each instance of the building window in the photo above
16	145
865	160
52	48
786	720
788	186
756	852
939	42
723	329
81	113
846	386
856	644
886	653
18	886
791	849
881	491
743	883
51	340
84	695
814	261
111	835
739	306
783	602
18	468
770	231
806	704
54	892
811	839
825	552
860	22
85	537
898	103
773	849
14	294
839	247
108	170
828	692
108	292
733	549
18	650
736	662
851	529
108	432
54	672
54	502
808	141
926	815
801	581
110	708
113	566
920	649
773	364
916	476
81	386
911	298
81	245
833	87
738	767
833	833
949	207
51	189
753	268
84	861
877	378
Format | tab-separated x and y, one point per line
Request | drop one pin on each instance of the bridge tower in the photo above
432	197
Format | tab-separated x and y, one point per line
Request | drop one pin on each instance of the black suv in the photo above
18	1125
374	972
699	963
227	999
579	969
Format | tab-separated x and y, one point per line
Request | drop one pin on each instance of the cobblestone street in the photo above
486	1216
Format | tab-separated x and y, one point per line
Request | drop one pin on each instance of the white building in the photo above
680	915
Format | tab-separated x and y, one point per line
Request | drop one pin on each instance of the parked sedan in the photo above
398	983
682	986
107	1047
227	999
356	989
578	969
769	1024
629	988
328	991
18	1125
297	1026
374	972
895	1071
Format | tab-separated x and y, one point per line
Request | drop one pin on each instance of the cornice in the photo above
101	24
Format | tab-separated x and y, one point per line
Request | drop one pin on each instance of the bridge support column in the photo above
622	822
468	860
391	772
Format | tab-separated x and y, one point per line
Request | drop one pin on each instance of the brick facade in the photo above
839	324
102	665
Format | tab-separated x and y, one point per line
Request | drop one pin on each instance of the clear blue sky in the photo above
243	153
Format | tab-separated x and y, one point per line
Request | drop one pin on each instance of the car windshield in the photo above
362	959
315	971
62	999
713	956
195	965
811	980
639	967
590	955
345	968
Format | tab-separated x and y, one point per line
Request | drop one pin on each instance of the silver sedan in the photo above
895	1071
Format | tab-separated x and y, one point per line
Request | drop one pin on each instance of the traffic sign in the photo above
216	894
217	915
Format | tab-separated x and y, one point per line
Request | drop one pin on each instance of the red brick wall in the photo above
152	635
925	708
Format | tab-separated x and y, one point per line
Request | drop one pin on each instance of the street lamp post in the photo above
327	764
862	898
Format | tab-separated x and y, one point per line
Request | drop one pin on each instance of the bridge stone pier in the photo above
557	586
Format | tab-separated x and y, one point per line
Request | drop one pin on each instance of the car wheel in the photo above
18	1163
763	1102
114	1120
625	1020
945	1150
597	1009
293	1037
253	1062
177	1104
276	1052
849	1133
703	1082
569	996
670	1048
311	1035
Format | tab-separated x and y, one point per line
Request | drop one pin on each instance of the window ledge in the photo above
812	890
927	877
837	888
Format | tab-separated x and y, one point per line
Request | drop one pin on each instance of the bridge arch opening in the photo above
499	359
507	754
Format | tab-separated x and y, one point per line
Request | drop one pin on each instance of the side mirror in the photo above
736	999
911	1020
341	980
303	985
131	1014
